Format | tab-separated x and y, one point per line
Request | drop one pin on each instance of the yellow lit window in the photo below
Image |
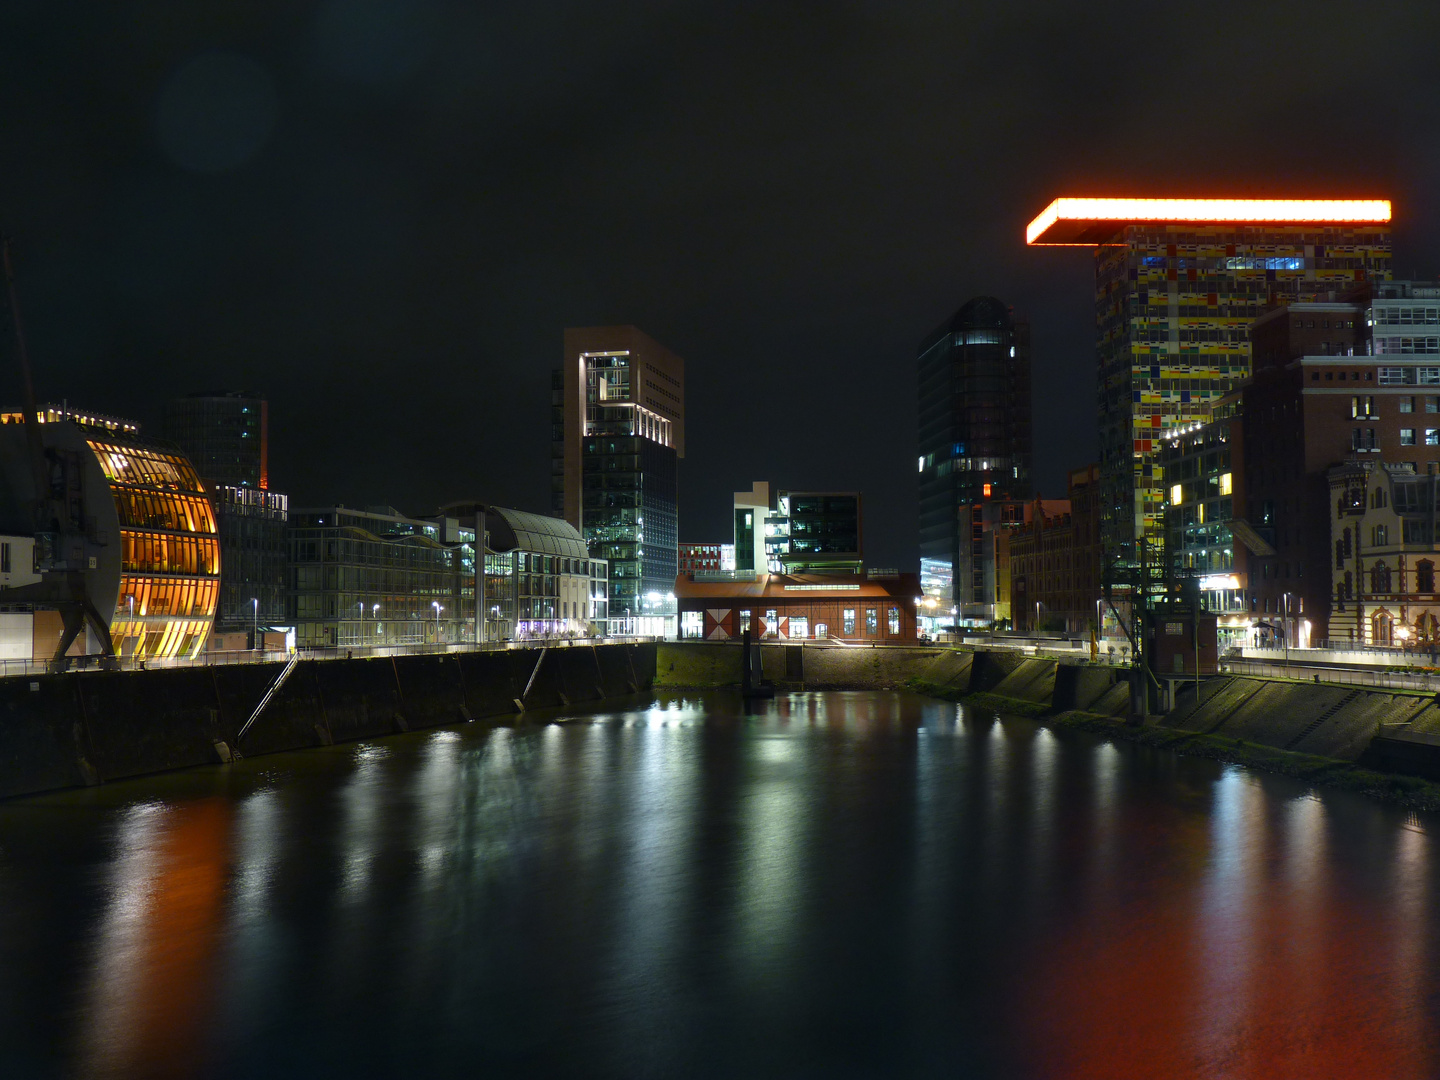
1176	492
1225	483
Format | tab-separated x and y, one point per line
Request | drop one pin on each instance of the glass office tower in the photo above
1177	284
619	426
974	450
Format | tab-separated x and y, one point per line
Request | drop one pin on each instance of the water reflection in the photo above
825	884
151	988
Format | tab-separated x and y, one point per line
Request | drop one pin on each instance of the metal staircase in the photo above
1314	725
274	687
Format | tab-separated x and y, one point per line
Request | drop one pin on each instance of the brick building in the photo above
873	609
1053	558
1382	576
1328	389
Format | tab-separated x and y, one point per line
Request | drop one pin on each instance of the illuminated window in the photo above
1176	494
894	621
987	491
872	622
848	622
1225	484
1407	436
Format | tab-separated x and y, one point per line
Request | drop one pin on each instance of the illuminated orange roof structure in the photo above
1091	222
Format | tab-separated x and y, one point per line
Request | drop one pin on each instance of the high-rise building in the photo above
226	435
618	425
975	446
1177	284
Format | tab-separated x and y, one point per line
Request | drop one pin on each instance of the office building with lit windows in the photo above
151	553
226	435
798	532
540	581
377	577
705	558
974	454
618	428
1177	284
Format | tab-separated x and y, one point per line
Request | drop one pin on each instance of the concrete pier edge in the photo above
84	728
1382	743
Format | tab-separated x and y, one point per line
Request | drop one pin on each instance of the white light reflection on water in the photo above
113	1001
774	818
251	953
1229	909
1105	763
435	794
361	803
658	795
1044	749
1412	872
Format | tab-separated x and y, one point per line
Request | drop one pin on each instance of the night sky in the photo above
382	213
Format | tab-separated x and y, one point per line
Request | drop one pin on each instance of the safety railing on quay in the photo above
17	668
1378	677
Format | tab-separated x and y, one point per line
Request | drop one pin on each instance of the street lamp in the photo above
255	623
436	605
1285	627
375	616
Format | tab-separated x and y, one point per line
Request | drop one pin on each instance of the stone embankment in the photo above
1342	735
79	728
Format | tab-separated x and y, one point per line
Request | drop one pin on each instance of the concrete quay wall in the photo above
1385	729
88	727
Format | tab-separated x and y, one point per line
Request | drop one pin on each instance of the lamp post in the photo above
255	623
436	605
1285	628
375	617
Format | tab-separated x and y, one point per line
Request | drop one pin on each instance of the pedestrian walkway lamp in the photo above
255	623
436	605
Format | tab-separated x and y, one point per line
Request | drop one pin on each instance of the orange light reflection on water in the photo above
1234	958
152	992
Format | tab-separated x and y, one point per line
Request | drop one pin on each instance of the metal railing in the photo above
1377	677
20	668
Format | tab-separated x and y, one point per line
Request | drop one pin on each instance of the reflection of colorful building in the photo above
151	553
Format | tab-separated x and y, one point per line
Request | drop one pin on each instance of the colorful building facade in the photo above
1177	284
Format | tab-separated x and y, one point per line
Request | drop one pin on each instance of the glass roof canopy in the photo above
534	532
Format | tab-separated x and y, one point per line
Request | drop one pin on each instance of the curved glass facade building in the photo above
975	447
140	527
169	548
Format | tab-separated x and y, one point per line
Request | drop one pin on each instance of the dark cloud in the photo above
383	214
